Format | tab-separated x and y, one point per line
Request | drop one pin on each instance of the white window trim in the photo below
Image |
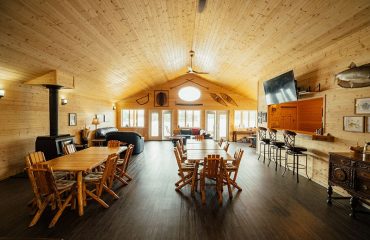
136	111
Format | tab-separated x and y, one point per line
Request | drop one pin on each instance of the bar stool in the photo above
262	134
296	152
275	148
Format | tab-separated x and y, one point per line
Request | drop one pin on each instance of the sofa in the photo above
112	133
189	132
129	137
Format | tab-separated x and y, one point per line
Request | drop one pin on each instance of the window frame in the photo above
135	118
242	114
192	118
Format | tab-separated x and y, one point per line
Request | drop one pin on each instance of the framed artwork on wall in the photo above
362	106
354	124
72	119
161	98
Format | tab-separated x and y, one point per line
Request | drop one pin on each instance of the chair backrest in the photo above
179	147
69	149
226	147
262	133
178	157
220	142
113	143
199	137
238	157
42	182
213	166
108	174
182	144
289	138
273	134
34	158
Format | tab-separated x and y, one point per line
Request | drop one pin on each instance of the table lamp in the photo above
95	122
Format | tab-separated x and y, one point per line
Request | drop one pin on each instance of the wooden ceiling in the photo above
115	48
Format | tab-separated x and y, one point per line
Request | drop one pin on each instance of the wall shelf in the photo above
327	138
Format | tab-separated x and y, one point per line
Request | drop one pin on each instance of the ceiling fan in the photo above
190	68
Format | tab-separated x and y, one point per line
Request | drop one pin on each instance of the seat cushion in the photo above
63	184
60	175
266	140
278	144
298	149
93	177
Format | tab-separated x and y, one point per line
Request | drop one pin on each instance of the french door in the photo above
166	124
160	127
217	124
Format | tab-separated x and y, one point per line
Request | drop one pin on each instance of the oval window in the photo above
189	94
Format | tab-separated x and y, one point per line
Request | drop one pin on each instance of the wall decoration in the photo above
72	119
218	99
353	124
100	117
368	125
143	100
259	117
362	106
161	98
228	99
264	116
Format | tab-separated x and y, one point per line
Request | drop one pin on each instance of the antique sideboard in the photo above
351	172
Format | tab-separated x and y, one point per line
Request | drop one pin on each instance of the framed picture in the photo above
354	124
161	98
368	125
72	119
264	116
100	117
362	106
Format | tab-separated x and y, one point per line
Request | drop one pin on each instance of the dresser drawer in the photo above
362	184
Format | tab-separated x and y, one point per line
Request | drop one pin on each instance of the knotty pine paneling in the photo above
118	48
25	115
243	102
320	67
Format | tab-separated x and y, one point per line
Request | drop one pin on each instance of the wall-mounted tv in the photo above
281	89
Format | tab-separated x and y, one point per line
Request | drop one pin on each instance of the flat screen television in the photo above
281	89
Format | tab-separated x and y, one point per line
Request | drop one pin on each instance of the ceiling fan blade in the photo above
200	72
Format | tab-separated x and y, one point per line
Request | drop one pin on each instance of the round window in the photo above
189	94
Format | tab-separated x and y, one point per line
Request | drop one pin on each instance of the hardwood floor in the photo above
269	207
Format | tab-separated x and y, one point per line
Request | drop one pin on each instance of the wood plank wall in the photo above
320	67
244	103
25	115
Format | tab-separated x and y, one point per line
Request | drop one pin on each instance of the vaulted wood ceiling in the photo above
116	48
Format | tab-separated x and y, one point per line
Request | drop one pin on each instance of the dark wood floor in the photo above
269	207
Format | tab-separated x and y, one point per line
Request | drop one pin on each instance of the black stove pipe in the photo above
53	108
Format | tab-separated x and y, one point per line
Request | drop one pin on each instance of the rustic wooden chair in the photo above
122	165
69	149
226	147
214	169
199	137
113	143
181	151
39	157
233	168
188	173
48	190
102	181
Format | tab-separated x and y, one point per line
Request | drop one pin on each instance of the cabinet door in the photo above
340	171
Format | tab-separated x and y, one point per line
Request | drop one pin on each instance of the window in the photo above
189	118
132	118
189	94
245	119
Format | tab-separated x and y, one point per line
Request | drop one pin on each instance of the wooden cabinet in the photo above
351	172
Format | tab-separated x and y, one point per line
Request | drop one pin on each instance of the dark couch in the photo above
102	132
129	137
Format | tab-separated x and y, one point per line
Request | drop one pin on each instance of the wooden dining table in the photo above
204	145
83	161
200	154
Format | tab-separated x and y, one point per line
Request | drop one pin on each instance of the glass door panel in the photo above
211	123
154	125
166	124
